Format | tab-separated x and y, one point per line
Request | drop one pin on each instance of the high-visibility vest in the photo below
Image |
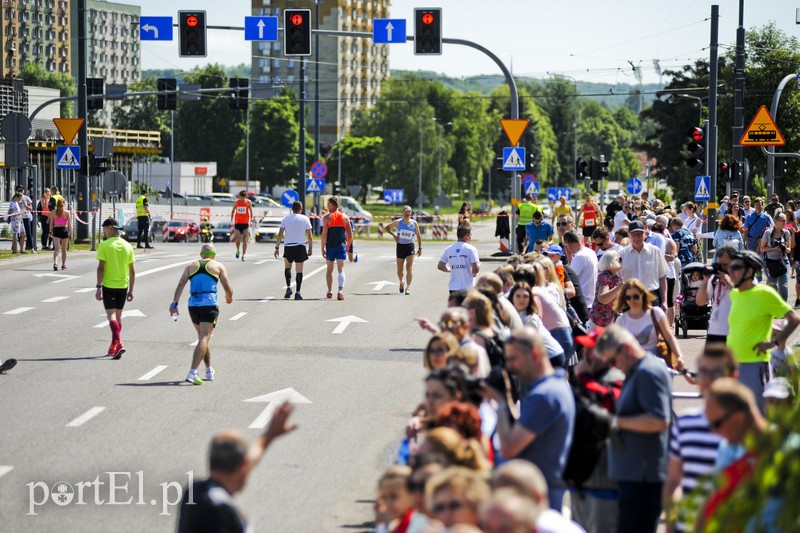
141	210
526	211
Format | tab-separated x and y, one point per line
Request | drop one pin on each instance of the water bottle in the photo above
173	311
403	452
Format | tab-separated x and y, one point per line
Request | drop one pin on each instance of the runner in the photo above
115	278
297	227
203	276
461	261
337	237
407	229
242	217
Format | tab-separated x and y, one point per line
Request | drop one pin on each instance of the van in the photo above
353	209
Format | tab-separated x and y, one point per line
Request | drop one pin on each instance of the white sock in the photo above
341	281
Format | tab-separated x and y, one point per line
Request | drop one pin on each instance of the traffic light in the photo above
240	92
600	171
724	173
581	171
781	167
192	34
94	86
737	173
296	32
97	165
168	100
427	31
336	188
697	149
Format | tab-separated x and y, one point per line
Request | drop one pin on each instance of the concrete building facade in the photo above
35	31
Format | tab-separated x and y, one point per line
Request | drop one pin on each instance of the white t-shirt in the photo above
584	263
295	226
616	248
460	257
720	299
642	328
620	220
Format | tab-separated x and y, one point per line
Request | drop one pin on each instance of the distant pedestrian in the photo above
299	242
336	239
407	233
464	215
43	207
143	219
202	276
16	210
27	220
242	218
115	279
58	222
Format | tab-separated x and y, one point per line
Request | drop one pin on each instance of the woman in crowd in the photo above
456	495
729	234
693	222
439	347
16	210
525	304
59	220
607	289
554	316
464	214
736	211
481	321
43	207
776	244
637	315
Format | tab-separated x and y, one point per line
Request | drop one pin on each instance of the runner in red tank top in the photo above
242	217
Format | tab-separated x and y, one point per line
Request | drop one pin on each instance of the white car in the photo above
268	229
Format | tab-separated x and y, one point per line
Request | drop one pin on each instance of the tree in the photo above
34	74
142	113
559	101
358	157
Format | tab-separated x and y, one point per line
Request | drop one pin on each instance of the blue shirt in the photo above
757	224
548	409
541	232
202	286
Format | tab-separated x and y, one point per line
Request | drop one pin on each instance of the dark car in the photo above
420	216
182	230
223	232
130	232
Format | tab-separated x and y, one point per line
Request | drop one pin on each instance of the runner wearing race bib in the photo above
407	231
336	238
590	216
241	217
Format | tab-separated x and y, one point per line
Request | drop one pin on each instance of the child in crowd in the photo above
554	253
394	507
695	282
538	247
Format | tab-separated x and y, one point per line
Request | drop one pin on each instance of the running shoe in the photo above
340	296
119	351
8	364
402	287
112	349
408	290
242	257
237	254
193	378
55	267
209	374
288	293
297	296
329	295
356	259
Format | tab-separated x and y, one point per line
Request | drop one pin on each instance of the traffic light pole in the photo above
712	120
737	150
82	185
302	132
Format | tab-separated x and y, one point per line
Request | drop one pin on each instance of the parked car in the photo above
223	232
268	229
182	230
130	232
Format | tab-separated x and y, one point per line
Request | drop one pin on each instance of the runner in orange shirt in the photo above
242	217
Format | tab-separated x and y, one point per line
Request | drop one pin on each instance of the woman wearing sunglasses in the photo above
439	347
637	315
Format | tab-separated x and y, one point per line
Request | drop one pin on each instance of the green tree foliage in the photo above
36	75
142	113
358	157
559	101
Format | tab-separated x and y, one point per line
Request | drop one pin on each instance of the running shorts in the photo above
114	298
241	227
295	254
60	232
405	250
333	253
204	313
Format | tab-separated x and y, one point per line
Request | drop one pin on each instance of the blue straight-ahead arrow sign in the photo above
261	28
386	31
155	28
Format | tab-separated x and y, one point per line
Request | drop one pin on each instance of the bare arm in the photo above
702	293
132	276
278	238
323	238
310	240
176	297
101	268
476	267
348	230
392	225
607	296
226	283
419	239
671	493
233	210
443	267
513	439
642	424
670	339
569	288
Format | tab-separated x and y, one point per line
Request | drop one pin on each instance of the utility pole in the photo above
82	185
712	119
301	175
737	150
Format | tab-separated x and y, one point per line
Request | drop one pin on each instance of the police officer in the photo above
143	217
524	214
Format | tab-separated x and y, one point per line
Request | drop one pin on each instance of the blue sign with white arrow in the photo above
155	28
68	157
702	189
634	186
554	193
385	31
315	185
514	158
289	197
394	196
261	28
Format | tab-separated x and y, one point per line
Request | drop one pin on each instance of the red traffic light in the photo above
723	167
191	20
297	19
427	18
697	134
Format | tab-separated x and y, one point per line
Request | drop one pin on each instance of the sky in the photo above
589	40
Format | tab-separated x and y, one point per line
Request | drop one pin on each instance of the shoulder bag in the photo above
776	267
662	347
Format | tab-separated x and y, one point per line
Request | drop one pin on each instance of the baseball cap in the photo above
651	222
590	340
111	223
554	249
778	388
636	225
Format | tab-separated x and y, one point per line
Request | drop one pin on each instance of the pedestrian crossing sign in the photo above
514	158
702	189
68	157
315	185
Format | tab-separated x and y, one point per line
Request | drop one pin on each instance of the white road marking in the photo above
265	300
85	417
125	314
146	260
273	399
18	310
312	273
4	469
153	372
54	299
64	277
265	261
237	316
159	269
344	322
87	289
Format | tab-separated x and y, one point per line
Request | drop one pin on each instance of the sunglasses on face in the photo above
716	424
450	324
635	296
735	268
437	351
562	223
439	508
711	373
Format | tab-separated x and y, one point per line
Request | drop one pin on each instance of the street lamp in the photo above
699	100
439	196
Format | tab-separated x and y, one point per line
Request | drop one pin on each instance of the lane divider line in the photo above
18	310
5	469
237	316
54	299
85	417
153	372
87	289
160	269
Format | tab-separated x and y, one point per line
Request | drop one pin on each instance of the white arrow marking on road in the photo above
87	289
272	399
154	29
4	469
153	372
125	314
18	310
64	277
379	285
85	417
54	299
344	322
237	316
389	29
260	29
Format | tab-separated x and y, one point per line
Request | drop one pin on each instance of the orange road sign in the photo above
762	131
514	128
68	127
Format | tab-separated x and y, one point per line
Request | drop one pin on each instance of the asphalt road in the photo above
72	415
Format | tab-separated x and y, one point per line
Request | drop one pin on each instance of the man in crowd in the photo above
299	243
336	239
537	229
616	206
622	217
524	213
602	241
755	224
543	433
637	452
143	220
646	263
115	279
584	263
210	505
773	206
461	261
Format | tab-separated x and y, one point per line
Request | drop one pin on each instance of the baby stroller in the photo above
689	315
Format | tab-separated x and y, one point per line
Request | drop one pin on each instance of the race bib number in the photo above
589	222
242	210
406	234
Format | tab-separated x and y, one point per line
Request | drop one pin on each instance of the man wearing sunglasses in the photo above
602	242
692	445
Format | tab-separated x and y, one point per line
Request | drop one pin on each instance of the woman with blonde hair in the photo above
457	450
58	220
554	316
455	497
439	347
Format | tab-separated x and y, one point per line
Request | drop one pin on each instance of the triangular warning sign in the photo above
762	131
68	127
532	189
513	161
68	159
702	190
514	128
313	186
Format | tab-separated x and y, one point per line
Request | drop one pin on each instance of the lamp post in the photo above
439	195
699	100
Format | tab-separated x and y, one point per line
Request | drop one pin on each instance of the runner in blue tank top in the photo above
336	238
202	276
407	231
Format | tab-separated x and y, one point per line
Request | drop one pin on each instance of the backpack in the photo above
687	245
495	349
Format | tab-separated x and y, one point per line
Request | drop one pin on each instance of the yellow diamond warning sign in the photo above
762	131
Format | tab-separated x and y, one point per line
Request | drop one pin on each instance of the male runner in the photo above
337	237
297	227
115	278
242	217
407	229
203	276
